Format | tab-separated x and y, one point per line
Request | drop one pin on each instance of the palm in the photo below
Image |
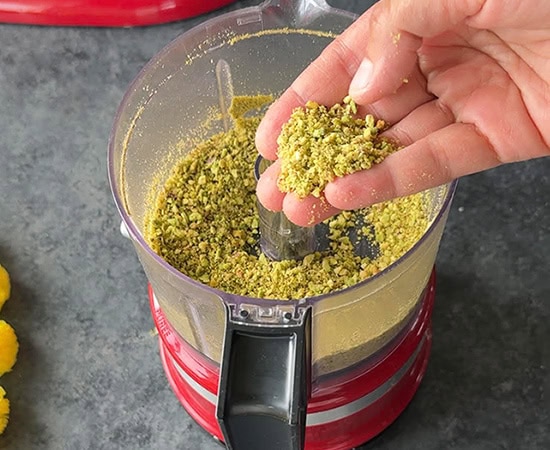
476	74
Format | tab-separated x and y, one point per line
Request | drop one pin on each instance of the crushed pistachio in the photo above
206	224
318	144
396	37
242	104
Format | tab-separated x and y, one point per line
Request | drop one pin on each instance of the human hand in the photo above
465	83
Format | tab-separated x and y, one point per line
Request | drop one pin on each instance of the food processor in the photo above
325	372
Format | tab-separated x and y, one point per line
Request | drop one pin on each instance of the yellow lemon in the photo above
4	286
4	410
8	347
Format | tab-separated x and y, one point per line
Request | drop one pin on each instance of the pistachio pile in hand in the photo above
318	144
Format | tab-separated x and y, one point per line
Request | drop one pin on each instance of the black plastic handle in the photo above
265	382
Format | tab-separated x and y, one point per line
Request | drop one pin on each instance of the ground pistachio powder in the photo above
319	144
205	223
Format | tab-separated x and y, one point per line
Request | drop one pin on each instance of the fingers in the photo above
271	124
370	60
267	191
516	14
391	108
438	158
424	120
307	211
374	61
386	67
394	32
304	212
325	81
408	97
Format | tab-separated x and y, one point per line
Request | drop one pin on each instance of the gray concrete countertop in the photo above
89	374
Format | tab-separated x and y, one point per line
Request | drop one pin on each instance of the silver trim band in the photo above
331	415
341	412
203	392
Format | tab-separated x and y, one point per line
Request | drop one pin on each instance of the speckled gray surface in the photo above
89	375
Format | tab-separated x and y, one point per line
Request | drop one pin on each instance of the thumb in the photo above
394	33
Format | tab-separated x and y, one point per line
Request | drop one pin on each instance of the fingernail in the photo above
361	79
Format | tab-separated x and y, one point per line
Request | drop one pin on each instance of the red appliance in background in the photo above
103	13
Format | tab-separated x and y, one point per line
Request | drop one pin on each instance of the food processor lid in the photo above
103	13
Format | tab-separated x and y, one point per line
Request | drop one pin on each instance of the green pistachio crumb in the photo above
205	222
318	144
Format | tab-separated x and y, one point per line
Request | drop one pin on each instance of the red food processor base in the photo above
345	409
